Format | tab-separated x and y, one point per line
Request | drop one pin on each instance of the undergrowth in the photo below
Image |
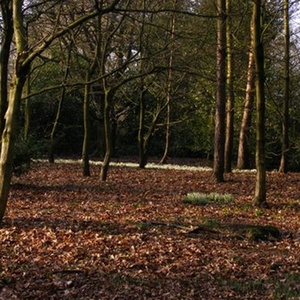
204	199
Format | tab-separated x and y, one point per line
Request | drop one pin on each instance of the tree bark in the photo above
107	136
10	131
258	50
243	161
6	40
286	101
86	128
27	110
219	139
141	132
230	96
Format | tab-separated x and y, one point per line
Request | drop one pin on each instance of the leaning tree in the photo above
25	55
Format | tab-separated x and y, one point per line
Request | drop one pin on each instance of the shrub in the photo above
22	157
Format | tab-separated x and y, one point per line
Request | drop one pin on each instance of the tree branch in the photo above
48	41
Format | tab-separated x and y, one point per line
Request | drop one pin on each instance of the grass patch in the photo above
288	288
202	199
245	287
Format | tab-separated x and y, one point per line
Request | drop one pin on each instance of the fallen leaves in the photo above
68	237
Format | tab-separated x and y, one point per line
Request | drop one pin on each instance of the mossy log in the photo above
248	231
263	233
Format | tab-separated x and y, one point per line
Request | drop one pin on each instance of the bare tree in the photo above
169	86
60	104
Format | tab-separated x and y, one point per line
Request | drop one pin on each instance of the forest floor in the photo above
69	237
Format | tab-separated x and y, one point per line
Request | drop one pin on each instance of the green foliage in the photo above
288	288
204	199
192	86
22	157
258	212
242	287
68	137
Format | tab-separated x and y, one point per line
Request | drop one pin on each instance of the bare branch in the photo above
48	41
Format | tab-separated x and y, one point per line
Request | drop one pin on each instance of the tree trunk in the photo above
86	128
8	140
164	158
107	136
6	40
258	50
21	69
286	101
27	111
230	97
10	131
243	161
141	133
59	108
169	90
144	137
219	139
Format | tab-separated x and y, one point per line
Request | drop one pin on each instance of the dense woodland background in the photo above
156	62
201	82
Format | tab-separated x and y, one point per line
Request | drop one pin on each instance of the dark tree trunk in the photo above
258	50
141	133
6	40
86	128
107	136
59	109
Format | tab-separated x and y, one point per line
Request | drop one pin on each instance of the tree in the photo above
219	139
244	138
17	83
258	50
60	104
116	65
24	57
286	101
124	68
230	91
169	86
6	40
86	104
